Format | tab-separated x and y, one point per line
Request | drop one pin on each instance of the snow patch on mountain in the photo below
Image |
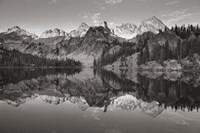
54	33
81	31
20	31
127	31
152	24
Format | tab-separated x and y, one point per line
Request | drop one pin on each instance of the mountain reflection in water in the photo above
157	95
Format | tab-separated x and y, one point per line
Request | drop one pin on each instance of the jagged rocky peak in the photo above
54	33
155	21
100	30
13	29
152	24
80	31
107	28
105	25
83	26
128	25
127	30
20	31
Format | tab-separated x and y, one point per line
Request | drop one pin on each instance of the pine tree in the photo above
167	51
162	54
179	51
198	29
176	29
166	29
139	62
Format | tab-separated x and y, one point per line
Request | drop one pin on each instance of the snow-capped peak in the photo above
53	33
130	30
126	30
13	29
83	26
128	25
155	21
20	31
152	24
80	31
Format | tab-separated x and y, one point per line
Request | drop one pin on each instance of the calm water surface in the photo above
98	101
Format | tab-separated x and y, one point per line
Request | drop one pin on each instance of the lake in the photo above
98	101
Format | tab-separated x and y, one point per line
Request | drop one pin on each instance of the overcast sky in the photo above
39	15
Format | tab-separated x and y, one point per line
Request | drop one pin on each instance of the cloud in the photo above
173	2
113	2
103	8
92	19
142	0
178	15
54	1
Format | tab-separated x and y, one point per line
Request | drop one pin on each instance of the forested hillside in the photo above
178	44
14	58
176	48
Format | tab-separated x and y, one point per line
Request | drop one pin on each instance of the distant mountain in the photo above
152	24
56	43
124	46
105	25
54	33
20	32
81	31
53	44
92	44
127	31
14	37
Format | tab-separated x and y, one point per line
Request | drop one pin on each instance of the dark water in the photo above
98	101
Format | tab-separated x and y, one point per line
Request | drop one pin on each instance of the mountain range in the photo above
84	43
126	31
125	45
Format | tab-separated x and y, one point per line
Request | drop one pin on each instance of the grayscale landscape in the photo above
109	66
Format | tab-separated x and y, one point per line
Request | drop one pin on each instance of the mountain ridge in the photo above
100	46
54	33
125	30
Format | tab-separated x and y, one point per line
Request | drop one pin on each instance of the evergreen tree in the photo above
94	62
167	51
162	54
179	51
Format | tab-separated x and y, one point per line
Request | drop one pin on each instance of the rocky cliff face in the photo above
81	31
152	24
86	43
20	32
14	37
92	45
54	33
127	31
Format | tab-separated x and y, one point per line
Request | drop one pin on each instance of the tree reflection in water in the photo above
152	93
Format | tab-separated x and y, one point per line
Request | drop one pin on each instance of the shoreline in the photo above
39	67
